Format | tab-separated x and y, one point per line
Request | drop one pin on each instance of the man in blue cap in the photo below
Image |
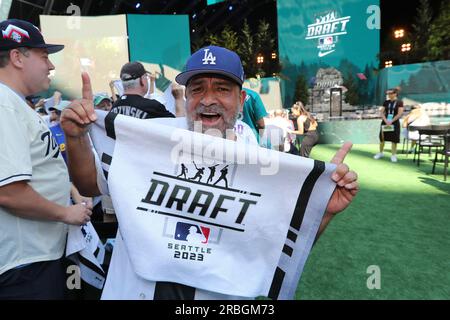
213	77
34	183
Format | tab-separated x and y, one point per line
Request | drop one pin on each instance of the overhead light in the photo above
400	33
138	5
230	8
406	47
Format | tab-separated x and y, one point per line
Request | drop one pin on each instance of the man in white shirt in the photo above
34	184
213	78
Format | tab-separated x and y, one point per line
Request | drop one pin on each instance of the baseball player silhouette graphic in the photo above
199	174
223	176
184	170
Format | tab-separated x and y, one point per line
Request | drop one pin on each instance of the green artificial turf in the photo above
399	221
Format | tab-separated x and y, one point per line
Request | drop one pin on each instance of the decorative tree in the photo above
248	45
246	50
438	43
421	30
351	96
301	90
229	38
264	45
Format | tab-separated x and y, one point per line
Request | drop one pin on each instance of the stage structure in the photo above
333	46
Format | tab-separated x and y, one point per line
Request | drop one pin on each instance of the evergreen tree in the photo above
369	73
264	45
351	96
246	51
229	39
212	39
248	45
301	90
363	87
421	30
438	43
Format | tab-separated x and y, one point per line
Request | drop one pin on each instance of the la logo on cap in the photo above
208	58
15	33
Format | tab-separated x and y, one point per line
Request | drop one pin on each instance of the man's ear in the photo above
242	100
16	58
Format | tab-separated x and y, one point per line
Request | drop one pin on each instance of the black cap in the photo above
132	70
33	99
19	33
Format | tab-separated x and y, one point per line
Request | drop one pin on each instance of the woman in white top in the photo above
417	118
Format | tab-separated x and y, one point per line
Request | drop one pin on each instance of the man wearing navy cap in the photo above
136	84
213	77
34	183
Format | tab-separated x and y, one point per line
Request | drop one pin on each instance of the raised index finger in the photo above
342	152
86	87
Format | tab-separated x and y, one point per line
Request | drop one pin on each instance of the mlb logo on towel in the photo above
326	41
192	233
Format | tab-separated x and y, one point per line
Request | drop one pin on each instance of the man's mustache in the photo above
210	109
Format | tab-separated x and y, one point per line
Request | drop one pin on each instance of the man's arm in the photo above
23	201
261	124
323	224
75	121
78	198
113	91
81	164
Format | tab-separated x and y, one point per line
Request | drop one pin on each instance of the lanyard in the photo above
392	107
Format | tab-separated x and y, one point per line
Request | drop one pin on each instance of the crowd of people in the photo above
48	176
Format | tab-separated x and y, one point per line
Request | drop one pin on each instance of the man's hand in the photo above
347	185
78	214
177	91
76	118
40	103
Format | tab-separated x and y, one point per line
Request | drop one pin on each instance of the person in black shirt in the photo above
306	126
391	112
136	85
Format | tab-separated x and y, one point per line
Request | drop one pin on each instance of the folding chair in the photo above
445	152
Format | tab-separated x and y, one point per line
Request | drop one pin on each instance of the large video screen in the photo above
98	45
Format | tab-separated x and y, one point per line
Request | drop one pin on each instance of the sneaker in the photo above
378	155
393	158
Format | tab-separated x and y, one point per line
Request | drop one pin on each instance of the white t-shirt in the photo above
122	282
29	153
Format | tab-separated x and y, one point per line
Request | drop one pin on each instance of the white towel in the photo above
242	233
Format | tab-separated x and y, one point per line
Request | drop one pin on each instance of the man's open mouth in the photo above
210	118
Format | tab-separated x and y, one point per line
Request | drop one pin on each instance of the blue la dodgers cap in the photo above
19	33
213	60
